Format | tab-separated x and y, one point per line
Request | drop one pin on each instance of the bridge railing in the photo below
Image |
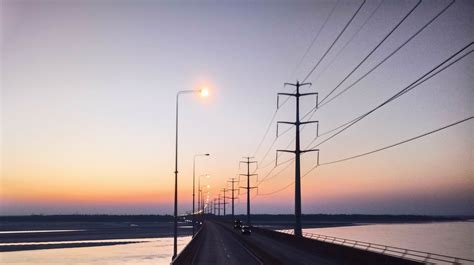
415	255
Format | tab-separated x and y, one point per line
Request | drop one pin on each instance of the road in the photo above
219	243
221	247
287	253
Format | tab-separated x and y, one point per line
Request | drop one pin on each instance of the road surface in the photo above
219	246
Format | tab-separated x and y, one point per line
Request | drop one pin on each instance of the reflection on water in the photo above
158	251
81	241
38	231
449	238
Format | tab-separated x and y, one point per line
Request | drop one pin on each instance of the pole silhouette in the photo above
248	188
219	204
232	180
225	203
297	151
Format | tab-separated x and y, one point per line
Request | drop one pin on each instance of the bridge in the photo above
217	242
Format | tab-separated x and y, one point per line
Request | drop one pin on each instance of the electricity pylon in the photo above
297	150
248	188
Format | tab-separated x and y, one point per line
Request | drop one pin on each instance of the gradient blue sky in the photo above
88	94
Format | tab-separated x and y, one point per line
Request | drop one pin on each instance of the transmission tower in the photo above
248	188
297	150
233	181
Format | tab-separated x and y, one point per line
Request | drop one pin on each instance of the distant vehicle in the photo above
245	230
237	224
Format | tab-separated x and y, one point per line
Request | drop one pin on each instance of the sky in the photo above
88	94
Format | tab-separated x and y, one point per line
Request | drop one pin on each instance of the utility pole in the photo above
219	203
233	180
248	188
215	206
225	203
297	150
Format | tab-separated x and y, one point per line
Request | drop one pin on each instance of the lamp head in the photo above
204	92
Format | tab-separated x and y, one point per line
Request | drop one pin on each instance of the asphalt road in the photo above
284	251
287	253
221	247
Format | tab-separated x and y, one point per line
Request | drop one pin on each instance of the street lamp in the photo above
194	189
204	92
200	191
200	199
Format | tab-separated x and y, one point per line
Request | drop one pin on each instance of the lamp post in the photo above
194	189
204	92
200	201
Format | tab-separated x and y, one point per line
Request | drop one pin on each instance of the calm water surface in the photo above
39	231
448	238
157	251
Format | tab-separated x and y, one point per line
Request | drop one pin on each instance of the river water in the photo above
447	238
151	251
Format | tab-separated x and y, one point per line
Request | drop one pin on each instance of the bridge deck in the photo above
219	243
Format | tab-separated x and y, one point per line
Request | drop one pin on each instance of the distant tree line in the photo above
349	218
354	218
87	218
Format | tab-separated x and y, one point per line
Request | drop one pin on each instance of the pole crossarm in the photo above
317	125
312	150
284	122
307	122
308	94
287	94
298	84
285	151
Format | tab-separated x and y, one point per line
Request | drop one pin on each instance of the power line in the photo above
386	58
334	42
372	51
392	145
406	89
349	41
276	138
315	38
266	131
419	83
286	100
433	72
349	123
372	152
266	177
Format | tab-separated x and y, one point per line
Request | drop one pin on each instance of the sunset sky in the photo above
88	94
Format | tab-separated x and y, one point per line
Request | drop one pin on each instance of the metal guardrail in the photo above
415	255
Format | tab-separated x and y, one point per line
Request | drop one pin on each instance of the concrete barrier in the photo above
188	254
